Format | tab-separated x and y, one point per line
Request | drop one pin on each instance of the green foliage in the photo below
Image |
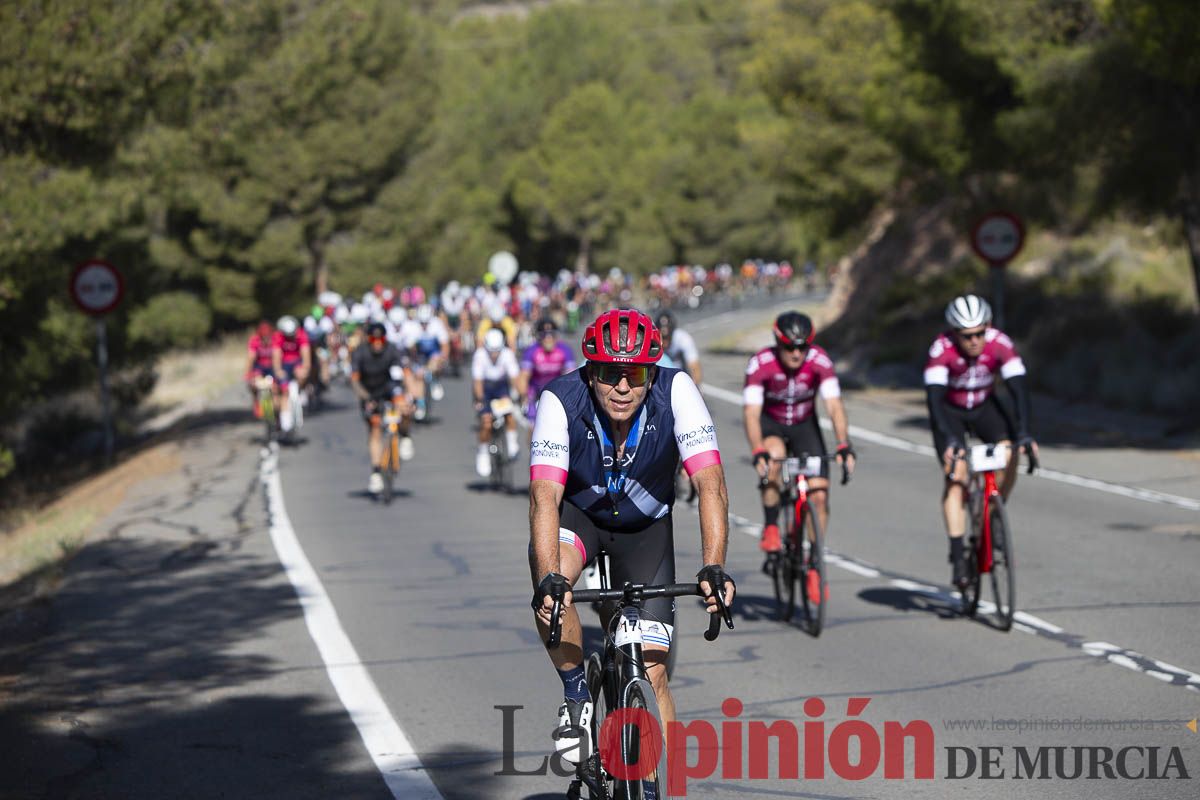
172	319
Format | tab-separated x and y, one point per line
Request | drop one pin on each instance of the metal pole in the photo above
102	361
998	294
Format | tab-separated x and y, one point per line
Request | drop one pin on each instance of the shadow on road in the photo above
904	600
139	676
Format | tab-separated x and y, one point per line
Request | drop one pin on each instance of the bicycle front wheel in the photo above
637	747
599	782
815	582
1003	577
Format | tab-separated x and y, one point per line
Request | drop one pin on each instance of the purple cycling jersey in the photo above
546	365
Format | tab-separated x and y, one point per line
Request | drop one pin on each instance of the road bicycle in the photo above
616	679
264	386
800	565
989	548
389	464
502	466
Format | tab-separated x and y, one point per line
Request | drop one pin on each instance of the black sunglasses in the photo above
791	348
972	334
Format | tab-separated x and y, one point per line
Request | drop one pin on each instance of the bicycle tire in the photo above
971	591
1003	577
267	406
814	610
389	468
600	786
632	745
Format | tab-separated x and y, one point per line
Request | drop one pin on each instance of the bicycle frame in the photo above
985	538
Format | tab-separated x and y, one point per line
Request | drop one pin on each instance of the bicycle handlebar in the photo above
632	591
961	455
762	482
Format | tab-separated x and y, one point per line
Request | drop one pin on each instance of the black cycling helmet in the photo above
376	329
794	328
665	319
546	327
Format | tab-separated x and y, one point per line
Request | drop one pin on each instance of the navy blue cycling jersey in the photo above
572	446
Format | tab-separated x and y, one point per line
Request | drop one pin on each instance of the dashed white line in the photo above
390	749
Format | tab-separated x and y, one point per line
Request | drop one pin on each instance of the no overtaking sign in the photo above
97	287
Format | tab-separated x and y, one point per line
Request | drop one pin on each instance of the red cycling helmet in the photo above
622	337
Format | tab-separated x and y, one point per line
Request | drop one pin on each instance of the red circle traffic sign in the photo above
997	237
96	286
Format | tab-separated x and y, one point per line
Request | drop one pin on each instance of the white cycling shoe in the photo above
436	391
483	463
573	736
406	448
375	484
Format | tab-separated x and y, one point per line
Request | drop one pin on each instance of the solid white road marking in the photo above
390	749
896	443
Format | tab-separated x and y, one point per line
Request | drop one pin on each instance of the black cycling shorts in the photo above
646	556
380	396
988	422
802	438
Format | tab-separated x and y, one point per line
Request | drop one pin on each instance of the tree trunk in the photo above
320	268
583	261
1191	226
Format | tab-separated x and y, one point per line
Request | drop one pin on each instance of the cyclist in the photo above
541	363
780	416
377	374
960	374
291	358
497	317
680	346
258	360
606	443
429	343
494	373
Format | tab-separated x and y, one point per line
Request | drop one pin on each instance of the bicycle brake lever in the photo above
555	626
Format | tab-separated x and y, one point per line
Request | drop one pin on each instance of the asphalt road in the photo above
432	593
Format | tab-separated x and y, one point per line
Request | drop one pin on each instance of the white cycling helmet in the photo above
326	325
968	311
495	312
397	316
424	313
310	324
341	314
287	326
359	314
493	340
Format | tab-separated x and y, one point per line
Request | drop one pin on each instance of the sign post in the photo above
503	265
97	288
996	238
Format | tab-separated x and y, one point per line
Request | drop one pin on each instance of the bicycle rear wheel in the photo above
970	592
1003	577
391	461
783	573
813	589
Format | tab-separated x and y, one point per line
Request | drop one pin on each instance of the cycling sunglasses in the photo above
972	334
611	374
792	347
376	339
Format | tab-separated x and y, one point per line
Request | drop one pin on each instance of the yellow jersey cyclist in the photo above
607	439
960	376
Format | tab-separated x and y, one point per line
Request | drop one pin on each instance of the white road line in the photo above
896	443
390	749
1022	621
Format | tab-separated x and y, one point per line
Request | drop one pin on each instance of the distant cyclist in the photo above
542	362
292	360
429	343
497	317
378	372
494	374
602	477
680	346
259	361
780	415
960	375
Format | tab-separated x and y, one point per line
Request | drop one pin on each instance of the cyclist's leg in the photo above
374	433
648	556
775	441
994	424
806	438
577	543
954	490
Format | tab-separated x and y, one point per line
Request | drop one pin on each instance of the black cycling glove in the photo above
716	577
553	585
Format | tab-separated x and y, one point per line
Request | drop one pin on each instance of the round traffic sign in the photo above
96	286
997	237
503	265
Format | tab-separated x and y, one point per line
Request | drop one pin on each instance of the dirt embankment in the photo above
1105	318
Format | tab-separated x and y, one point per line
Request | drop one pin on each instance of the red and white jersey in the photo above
789	398
290	347
969	381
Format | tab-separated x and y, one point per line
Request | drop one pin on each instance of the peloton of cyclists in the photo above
960	376
780	416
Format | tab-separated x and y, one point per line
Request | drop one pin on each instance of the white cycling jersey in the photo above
503	368
683	350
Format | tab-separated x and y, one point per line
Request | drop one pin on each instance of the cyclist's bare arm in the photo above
544	499
277	360
714	521
696	372
841	424
523	382
752	422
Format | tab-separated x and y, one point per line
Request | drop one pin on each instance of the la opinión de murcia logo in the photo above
852	749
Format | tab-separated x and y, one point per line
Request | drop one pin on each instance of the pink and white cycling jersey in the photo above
545	365
969	381
789	399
